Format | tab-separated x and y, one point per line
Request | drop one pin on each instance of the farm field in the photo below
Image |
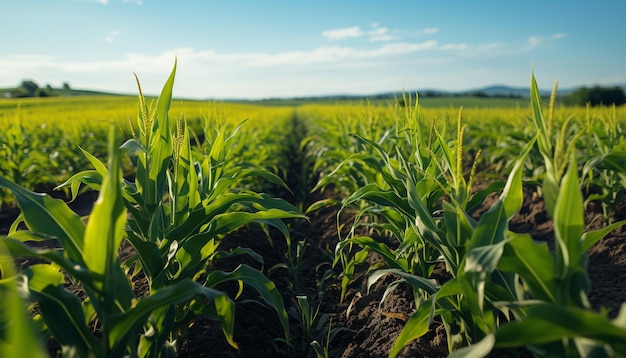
346	229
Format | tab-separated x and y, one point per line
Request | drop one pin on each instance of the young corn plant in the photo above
556	144
88	255
181	204
470	250
553	315
605	171
424	202
383	201
515	293
17	334
552	288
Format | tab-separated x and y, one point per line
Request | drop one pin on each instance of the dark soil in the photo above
369	327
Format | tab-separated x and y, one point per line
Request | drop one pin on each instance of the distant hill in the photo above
492	91
29	88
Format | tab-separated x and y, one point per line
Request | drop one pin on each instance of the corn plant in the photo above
425	203
555	287
417	171
604	172
547	308
88	255
181	204
17	334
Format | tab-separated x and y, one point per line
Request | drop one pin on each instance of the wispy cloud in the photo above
112	35
340	34
103	2
321	56
490	46
138	2
535	41
377	33
380	34
430	30
202	64
457	47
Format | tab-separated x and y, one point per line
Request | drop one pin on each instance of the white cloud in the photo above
490	46
103	2
112	35
430	30
376	34
535	41
323	69
380	34
340	34
155	63
138	2
456	47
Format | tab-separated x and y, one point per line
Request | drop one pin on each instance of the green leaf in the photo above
533	263
477	350
44	214
97	164
372	193
428	285
491	227
545	143
382	249
320	204
103	237
132	147
415	327
17	336
61	310
260	283
92	178
589	238
105	229
79	272
550	187
569	222
513	196
126	325
547	323
480	263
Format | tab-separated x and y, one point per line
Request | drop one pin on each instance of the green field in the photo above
176	177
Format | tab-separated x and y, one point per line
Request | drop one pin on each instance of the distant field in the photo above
432	102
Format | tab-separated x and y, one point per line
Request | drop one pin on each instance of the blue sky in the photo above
262	49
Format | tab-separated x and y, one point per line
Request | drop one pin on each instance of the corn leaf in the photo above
589	238
428	285
260	283
415	327
126	324
569	222
44	214
103	237
105	229
477	350
533	263
17	335
61	310
547	323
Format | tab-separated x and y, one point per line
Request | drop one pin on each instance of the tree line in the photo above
596	96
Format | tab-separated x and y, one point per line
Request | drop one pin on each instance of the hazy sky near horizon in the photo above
261	49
